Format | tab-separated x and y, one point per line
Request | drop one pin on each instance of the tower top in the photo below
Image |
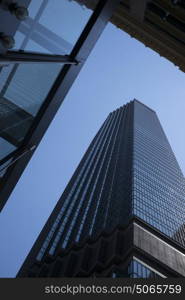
135	100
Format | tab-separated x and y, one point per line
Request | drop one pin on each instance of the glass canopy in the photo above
52	27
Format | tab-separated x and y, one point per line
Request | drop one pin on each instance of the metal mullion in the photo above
9	156
33	25
12	57
16	155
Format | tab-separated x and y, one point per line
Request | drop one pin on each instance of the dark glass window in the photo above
136	269
52	26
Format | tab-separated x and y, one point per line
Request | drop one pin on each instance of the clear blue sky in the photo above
119	69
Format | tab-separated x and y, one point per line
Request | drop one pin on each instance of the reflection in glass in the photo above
30	85
54	26
158	193
24	87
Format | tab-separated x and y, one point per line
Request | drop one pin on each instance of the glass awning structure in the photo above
43	46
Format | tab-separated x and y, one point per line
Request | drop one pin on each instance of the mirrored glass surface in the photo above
23	89
52	26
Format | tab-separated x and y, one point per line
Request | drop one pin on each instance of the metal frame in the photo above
12	57
18	156
60	88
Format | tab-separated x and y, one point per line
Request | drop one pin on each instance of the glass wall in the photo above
24	87
158	183
136	269
52	27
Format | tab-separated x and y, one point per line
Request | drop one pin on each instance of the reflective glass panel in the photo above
6	148
158	183
23	89
52	26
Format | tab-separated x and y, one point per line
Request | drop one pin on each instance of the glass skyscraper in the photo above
123	212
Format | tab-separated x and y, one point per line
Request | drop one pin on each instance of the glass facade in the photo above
129	170
88	207
49	29
158	183
24	87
